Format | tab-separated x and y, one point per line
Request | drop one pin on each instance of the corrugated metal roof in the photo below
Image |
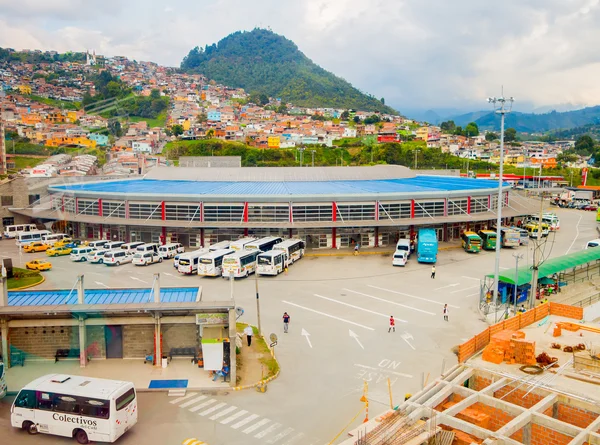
101	296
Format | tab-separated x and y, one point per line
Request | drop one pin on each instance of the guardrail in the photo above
587	301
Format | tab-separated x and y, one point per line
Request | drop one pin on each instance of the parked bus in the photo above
24	238
427	246
509	237
272	262
240	244
488	239
219	246
13	231
211	264
532	229
84	408
263	244
52	238
523	235
293	248
471	242
188	262
240	263
552	220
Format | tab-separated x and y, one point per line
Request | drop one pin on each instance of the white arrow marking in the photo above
406	337
137	279
169	274
307	335
101	284
355	337
444	287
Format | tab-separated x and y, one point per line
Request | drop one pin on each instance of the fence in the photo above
519	321
587	301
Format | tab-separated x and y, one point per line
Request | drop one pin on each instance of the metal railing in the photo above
587	301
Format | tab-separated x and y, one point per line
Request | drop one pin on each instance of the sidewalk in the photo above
132	370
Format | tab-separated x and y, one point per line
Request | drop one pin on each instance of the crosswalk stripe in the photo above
181	399
222	413
233	417
280	436
243	422
294	439
213	409
191	402
269	430
256	426
202	405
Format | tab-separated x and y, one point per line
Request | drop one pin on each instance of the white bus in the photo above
52	238
219	246
272	262
13	231
84	408
24	238
240	244
188	262
240	263
263	244
293	248
552	220
211	264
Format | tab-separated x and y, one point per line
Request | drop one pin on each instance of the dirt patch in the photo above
254	362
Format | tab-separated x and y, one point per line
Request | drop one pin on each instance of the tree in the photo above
383	101
202	117
459	131
177	130
510	135
155	94
345	115
356	119
471	129
491	136
282	109
114	127
448	126
584	144
565	158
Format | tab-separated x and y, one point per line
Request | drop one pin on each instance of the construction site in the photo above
533	379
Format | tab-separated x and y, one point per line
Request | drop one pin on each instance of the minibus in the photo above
170	250
110	245
211	264
13	231
241	243
116	257
188	262
131	247
220	245
80	253
148	247
97	256
400	258
145	258
263	244
98	244
24	238
272	262
240	263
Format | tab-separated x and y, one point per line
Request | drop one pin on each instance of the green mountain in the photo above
261	61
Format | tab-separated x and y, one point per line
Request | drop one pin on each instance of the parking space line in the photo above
293	439
471	278
358	307
460	290
412	296
388	301
327	315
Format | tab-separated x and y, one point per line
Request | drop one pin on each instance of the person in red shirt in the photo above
392	324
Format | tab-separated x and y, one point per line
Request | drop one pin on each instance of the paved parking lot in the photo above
339	307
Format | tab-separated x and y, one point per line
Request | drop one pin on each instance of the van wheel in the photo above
81	437
116	264
84	259
29	427
101	261
160	259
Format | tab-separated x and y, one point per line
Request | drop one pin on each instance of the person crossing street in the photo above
392	324
286	322
433	272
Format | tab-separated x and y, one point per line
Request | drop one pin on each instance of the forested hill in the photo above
261	61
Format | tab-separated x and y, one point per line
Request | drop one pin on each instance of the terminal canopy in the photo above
551	266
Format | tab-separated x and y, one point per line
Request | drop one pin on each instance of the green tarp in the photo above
551	266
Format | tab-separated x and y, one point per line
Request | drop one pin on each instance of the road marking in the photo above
212	409
243	422
222	413
355	337
294	439
269	430
576	236
191	402
471	278
357	307
411	296
233	417
181	399
388	301
280	436
503	268
450	285
400	374
472	295
327	315
202	405
256	426
406	337
307	335
101	284
137	279
466	288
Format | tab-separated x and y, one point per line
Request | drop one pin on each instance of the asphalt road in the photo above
339	307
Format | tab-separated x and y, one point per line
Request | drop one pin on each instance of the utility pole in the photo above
536	260
517	258
313	157
257	303
416	157
502	106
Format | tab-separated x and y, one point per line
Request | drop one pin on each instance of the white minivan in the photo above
145	258
148	247
130	247
117	257
400	258
98	244
110	245
170	250
97	256
80	253
403	245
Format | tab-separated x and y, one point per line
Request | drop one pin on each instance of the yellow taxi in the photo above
63	242
36	247
38	265
58	251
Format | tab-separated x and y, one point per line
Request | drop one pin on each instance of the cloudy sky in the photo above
415	53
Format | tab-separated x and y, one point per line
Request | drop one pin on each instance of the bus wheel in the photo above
30	427
81	437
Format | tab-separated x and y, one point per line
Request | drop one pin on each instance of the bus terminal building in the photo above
328	207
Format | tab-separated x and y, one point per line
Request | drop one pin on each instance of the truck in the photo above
427	246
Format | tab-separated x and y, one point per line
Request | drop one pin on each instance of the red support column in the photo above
333	211
291	214
245	212
469	205
76	206
412	208
163	211
446	232
246	231
163	237
290	233
62	204
376	236
100	207
202	217
126	209
376	210
101	232
506	199
334	238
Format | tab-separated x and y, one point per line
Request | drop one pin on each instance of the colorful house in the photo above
273	142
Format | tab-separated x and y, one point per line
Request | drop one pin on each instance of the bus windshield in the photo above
264	260
184	262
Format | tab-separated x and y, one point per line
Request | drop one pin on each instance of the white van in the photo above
148	247
593	243
97	256
170	250
80	253
400	258
130	247
116	257
145	258
110	245
98	244
403	245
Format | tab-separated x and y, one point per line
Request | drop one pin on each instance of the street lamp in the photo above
502	106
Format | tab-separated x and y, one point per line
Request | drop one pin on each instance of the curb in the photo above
28	286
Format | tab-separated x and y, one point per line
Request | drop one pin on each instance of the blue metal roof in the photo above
101	296
358	187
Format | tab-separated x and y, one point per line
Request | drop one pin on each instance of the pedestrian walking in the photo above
286	322
445	312
356	247
249	333
392	324
433	272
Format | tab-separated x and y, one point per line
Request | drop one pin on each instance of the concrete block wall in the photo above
42	342
138	340
95	344
179	336
541	435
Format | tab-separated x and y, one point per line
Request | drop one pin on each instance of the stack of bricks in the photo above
511	347
522	352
